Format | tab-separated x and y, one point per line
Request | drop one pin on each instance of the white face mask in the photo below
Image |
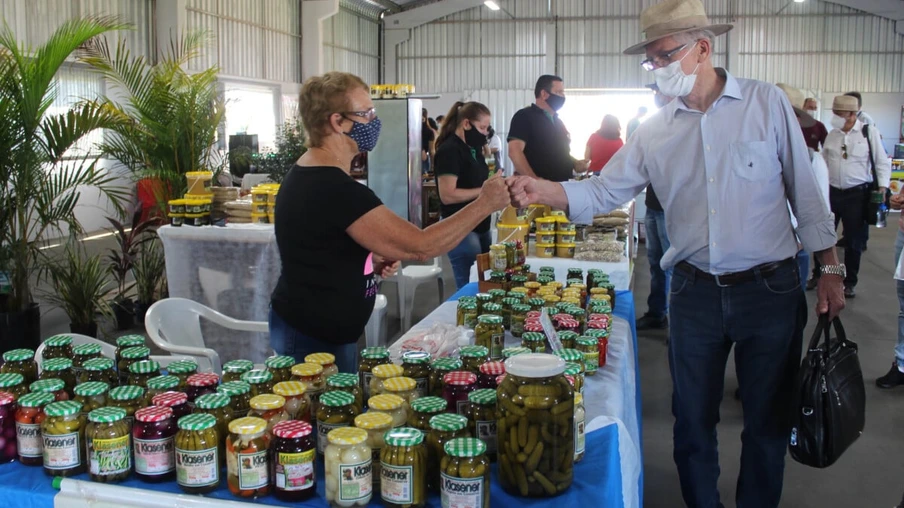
672	80
838	122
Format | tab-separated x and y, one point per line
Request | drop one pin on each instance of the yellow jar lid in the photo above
307	370
565	233
546	290
546	220
385	402
599	297
552	298
259	190
578	398
557	213
532	284
268	401
512	226
578	286
520	290
247	426
598	291
374	421
556	284
347	436
320	358
388	370
195	215
289	388
399	384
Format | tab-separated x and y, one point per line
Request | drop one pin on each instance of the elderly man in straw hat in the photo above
725	158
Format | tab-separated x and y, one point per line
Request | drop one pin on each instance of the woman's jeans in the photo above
465	254
286	340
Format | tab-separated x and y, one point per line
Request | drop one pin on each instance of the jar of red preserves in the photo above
29	416
488	374
456	387
177	401
153	434
8	427
293	451
201	384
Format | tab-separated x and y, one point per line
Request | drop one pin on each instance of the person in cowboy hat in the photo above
725	157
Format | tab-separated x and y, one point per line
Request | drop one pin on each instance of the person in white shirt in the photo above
847	152
494	149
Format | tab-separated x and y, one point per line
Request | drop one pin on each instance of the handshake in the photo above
518	191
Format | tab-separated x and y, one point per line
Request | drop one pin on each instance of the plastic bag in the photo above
441	339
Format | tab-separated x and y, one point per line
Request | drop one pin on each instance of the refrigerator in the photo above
394	165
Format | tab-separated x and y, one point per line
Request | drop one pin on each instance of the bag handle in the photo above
822	329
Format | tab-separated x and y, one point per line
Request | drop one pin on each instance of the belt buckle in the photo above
718	279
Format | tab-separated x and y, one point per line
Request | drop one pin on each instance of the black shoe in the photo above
649	322
812	283
894	378
849	291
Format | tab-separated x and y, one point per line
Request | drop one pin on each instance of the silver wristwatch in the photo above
838	270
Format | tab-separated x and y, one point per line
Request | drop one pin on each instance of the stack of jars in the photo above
311	376
20	361
371	357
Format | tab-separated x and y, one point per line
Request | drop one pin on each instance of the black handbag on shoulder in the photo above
830	404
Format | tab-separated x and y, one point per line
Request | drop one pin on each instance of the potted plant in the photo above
289	147
40	187
149	272
82	285
122	259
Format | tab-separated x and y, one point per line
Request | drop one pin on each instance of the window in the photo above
74	85
251	110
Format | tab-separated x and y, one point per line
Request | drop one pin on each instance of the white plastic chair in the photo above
174	325
108	350
373	331
409	278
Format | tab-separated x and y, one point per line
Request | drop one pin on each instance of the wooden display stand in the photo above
483	267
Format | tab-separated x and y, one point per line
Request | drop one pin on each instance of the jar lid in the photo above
279	362
512	351
57	364
429	404
448	422
496	292
567	335
292	429
248	426
205	379
484	396
197	421
86	349
32	399
573	369
234	388
492	308
561	315
469	306
375	353
63	408
289	388
320	358
404	436
58	341
533	336
238	366
127	341
182	367
307	370
388	370
268	401
446	364
8	379
153	414
144	367
399	384
474	352
162	383
91	389
578	398
373	420
597	332
347	436
19	355
576	311
107	415
536	302
212	401
465	447
127	392
530	327
169	399
570	355
7	398
385	402
416	357
510	301
483	297
497	275
47	385
500	379
342	380
337	399
519	278
136	352
520	307
587	341
492	368
460	378
535	365
490	319
98	364
569	322
545	279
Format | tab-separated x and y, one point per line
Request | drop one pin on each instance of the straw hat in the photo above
845	103
796	98
673	17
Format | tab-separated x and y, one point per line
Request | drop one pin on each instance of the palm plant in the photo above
148	270
82	286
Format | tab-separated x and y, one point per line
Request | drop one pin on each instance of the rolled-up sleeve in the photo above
880	156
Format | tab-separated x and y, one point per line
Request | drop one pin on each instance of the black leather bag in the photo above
830	404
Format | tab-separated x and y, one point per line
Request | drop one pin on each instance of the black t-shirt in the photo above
427	137
455	157
326	289
546	144
652	201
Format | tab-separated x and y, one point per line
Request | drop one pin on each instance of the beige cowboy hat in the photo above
796	98
673	17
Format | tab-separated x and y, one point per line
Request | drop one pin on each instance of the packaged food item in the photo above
100	370
128	397
140	372
58	346
59	368
109	445
534	341
498	260
423	409
336	410
83	353
546	237
292	461
239	393
153	435
443	428
55	387
545	224
176	401
456	387
568	338
483	299
233	370
201	384
197	454
280	367
20	361
247	458
216	405
392	405
199	183
469	314
348	468
182	370
589	347
403	469
545	250
518	317
472	357
482	418
270	408
348	383
376	424
416	365
311	375
490	334
488	374
370	357
325	360
156	386
28	419
403	387
298	404
576	371
63	434
438	369
381	373
126	342
128	357
465	474
579	437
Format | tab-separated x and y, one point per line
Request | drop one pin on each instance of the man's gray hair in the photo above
693	36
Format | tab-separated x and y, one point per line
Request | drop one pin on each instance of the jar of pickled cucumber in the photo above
370	357
465	474
248	458
140	372
460	311
469	313
391	405
239	393
269	407
472	357
497	294
376	424
311	375
20	361
280	367
83	353
157	385
63	434
443	428
58	346
490	334
589	347
345	382
216	405
518	281
298	404
348	468
92	395
127	358
292	461
126	342
101	370
325	360
488	374
182	370
456	387
567	338
570	355
403	469
536	424
233	370
423	409
518	316
59	368
336	410
482	300
579	437
201	384
535	341
403	387
14	383
53	386
576	371
198	454
438	369
28	419
416	365
128	397
507	304
109	445
381	374
513	351
153	435
482	418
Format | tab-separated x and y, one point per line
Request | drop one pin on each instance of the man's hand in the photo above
385	267
897	201
523	191
580	166
495	192
830	295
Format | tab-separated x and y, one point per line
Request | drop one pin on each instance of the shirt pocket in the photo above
860	150
754	160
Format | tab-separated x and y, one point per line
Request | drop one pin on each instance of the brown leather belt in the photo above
736	278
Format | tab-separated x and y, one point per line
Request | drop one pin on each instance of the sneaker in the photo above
849	291
650	322
894	378
812	283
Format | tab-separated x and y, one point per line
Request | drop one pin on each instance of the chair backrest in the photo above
108	350
176	321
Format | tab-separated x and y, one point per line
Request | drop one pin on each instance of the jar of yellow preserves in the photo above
381	374
311	375
298	404
325	360
370	357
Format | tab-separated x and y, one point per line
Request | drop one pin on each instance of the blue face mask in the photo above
365	134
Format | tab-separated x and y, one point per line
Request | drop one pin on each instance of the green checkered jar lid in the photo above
547	269
429	405
375	353
519	278
545	279
521	308
197	422
577	311
484	396
212	401
133	353
572	369
597	333
497	275
570	355
107	415
484	297
163	383
469	306
234	388
496	292
63	408
238	366
536	302
91	389
587	341
280	362
127	392
8	379
182	367
57	364
446	364
448	422
489	319
87	350
337	399
533	336
47	385
127	341
35	399
18	355
342	380
465	447
98	364
257	376
568	335
145	367
58	341
416	357
509	301
492	308
514	351
474	352
404	436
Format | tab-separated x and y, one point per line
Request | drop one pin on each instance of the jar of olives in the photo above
127	358
216	405
376	424
381	374
488	374
423	409
348	468
270	408
182	370
490	334
345	382
92	395
59	368
280	367
456	387
63	434
535	341
336	410
58	346
472	357
239	393
201	384
311	375
233	370
403	469
392	405
140	372
83	353
156	386
261	381
482	417
21	361
438	369
576	371
325	360
28	419
126	342
197	454
292	462
247	458
443	428
100	370
579	437
589	347
298	404
128	397
465	473
370	357
518	316
153	436
109	446
512	351
177	401
13	383
55	387
416	365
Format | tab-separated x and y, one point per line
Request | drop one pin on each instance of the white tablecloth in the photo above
619	273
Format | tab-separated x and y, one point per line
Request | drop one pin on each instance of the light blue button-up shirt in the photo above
724	178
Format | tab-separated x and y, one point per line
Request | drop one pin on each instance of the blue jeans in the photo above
657	244
465	254
764	321
899	347
286	340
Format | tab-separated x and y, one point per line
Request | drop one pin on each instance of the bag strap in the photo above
872	162
823	330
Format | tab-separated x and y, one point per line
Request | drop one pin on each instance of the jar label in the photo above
517	326
462	492
422	386
109	456
254	471
366	377
295	471
397	483
28	440
355	481
591	361
197	468
486	432
154	457
580	438
461	407
497	343
61	451
471	320
322	430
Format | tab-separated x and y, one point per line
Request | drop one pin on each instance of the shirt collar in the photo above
731	90
858	127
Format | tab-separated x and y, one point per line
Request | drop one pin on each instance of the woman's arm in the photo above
449	194
587	151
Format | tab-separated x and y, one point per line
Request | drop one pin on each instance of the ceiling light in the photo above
493	6
799	1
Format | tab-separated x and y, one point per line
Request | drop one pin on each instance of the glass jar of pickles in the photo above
58	346
247	458
348	468
518	317
311	375
488	374
482	418
465	473
336	410
298	404
423	409
55	387
280	367
469	313
140	372
63	433
153	435
92	395
21	361
589	347
382	373
109	445
497	294
128	397
456	387
325	360
403	387
127	358
570	355
82	353
482	300
576	371
216	405
239	393
443	428
345	382
176	401
567	338
269	407
28	419
460	311
99	369
376	424
201	384
416	365
507	304
292	461
197	454
490	334
157	385
370	357
392	405
182	370
233	370
126	342
13	383
472	357
403	469
535	341
59	368
579	436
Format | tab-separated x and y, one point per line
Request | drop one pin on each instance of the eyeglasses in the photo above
844	151
662	59
368	114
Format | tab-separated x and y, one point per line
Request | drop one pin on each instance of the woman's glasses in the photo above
368	114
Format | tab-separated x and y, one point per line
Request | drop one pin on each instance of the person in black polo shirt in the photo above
460	171
538	142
